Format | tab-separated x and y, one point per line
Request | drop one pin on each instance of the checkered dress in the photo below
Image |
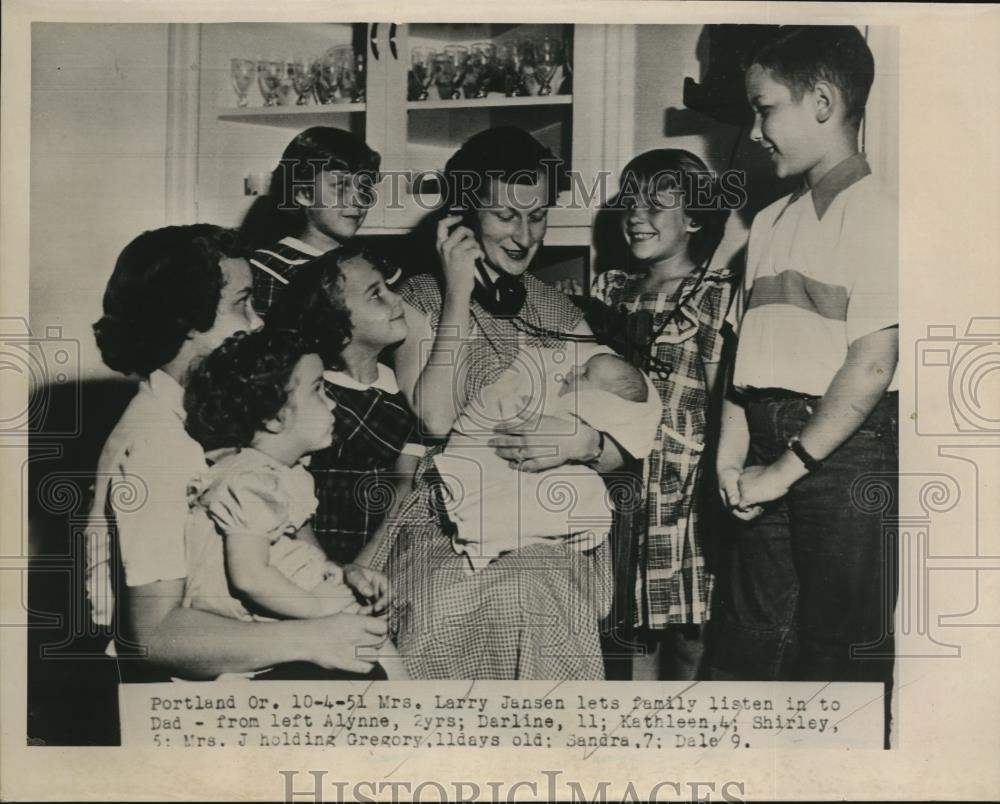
273	268
673	585
354	477
533	613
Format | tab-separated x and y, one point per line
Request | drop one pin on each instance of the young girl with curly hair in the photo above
257	406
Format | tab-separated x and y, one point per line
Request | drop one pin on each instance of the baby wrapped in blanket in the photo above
497	509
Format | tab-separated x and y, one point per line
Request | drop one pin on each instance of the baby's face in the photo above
597	374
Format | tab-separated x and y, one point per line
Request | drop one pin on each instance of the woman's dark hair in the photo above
504	153
166	283
313	302
673	169
277	214
233	392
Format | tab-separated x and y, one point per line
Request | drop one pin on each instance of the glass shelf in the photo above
496	100
289	116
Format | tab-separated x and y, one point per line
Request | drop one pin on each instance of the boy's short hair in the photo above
234	391
166	283
621	378
802	55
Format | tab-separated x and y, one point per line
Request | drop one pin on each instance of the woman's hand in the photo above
371	584
334	642
458	250
544	442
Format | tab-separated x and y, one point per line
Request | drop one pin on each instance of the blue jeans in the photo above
814	576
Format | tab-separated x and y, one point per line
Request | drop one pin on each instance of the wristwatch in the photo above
810	463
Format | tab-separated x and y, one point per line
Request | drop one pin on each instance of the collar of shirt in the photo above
385	381
305	248
836	180
252	457
168	392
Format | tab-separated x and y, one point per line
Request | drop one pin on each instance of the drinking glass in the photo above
421	72
529	78
484	67
241	73
547	60
302	81
511	58
360	78
458	56
326	77
352	73
444	74
269	79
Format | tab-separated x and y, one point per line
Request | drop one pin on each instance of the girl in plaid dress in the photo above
340	300
676	302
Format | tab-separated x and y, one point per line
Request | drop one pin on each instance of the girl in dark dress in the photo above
341	301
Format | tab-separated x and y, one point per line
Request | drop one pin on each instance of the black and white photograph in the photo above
559	363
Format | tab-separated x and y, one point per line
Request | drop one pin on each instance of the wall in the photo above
98	128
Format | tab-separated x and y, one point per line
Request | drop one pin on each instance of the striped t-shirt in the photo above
274	267
821	273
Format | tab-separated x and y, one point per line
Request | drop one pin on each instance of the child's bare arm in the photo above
851	397
734	443
854	392
249	572
307	534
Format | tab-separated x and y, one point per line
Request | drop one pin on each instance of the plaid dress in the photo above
355	475
532	614
672	584
273	268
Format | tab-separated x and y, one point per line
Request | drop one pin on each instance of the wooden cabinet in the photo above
588	125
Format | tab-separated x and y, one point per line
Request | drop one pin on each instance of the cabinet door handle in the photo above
392	41
373	41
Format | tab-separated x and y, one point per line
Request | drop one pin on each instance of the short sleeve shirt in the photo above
821	273
150	452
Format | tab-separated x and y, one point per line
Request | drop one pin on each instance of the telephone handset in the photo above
503	296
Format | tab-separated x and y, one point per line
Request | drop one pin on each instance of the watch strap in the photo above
810	463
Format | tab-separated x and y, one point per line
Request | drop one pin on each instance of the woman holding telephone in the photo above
535	612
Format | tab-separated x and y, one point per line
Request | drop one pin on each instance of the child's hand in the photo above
372	585
571	287
729	485
760	484
729	488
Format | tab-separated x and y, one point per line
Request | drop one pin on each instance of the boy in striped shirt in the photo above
811	420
